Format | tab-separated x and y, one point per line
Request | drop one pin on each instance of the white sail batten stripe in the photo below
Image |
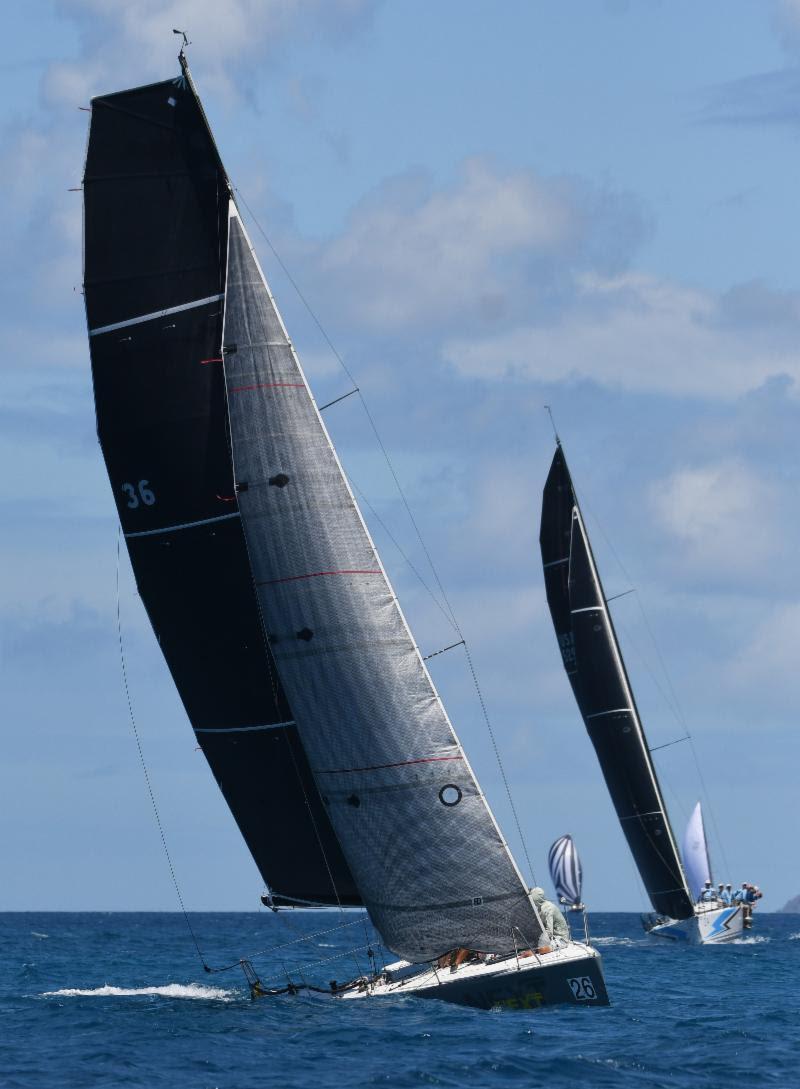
155	314
242	729
555	563
638	816
613	711
589	609
182	525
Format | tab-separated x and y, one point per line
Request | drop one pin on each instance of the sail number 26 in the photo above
139	493
582	988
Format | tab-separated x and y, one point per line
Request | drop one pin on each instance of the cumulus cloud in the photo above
767	661
646	334
123	41
723	514
484	248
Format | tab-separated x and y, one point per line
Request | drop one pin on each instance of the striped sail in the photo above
565	870
427	856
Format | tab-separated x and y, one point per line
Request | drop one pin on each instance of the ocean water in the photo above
121	1000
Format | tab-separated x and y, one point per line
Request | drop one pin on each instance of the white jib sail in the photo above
695	852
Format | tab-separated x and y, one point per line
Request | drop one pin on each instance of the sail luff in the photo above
583	622
429	859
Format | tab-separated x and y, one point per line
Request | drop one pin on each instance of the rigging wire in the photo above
284	945
162	834
412	519
671	699
144	765
399	548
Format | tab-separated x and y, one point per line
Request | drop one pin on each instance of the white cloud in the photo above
124	41
639	333
723	513
487	246
767	663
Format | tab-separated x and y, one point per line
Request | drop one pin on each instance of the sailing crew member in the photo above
740	896
555	926
753	894
707	894
726	896
721	893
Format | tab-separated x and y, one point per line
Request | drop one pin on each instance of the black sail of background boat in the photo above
593	662
295	664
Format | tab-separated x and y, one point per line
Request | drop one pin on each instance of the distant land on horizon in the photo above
792	905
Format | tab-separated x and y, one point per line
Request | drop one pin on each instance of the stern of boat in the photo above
571	975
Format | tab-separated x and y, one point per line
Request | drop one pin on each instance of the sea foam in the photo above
169	990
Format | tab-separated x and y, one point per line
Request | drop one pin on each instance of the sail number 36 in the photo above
140	493
582	988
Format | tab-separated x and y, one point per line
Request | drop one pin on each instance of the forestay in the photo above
695	852
427	856
565	869
156	224
593	661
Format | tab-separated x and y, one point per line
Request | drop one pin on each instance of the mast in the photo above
593	661
155	242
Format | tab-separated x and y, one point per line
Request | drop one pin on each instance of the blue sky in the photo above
490	208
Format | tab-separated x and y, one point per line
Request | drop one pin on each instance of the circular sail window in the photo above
450	795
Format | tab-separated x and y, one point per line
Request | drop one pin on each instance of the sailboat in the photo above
299	674
593	662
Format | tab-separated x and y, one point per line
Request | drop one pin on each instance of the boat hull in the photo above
569	976
713	926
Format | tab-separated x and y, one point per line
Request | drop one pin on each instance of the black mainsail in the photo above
155	249
593	662
300	675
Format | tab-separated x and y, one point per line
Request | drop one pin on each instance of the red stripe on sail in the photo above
316	575
267	385
399	764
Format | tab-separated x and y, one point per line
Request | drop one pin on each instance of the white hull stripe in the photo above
181	525
155	314
615	711
243	729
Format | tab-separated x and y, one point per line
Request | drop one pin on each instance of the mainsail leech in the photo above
593	661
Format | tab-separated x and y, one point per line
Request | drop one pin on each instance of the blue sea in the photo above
121	1000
